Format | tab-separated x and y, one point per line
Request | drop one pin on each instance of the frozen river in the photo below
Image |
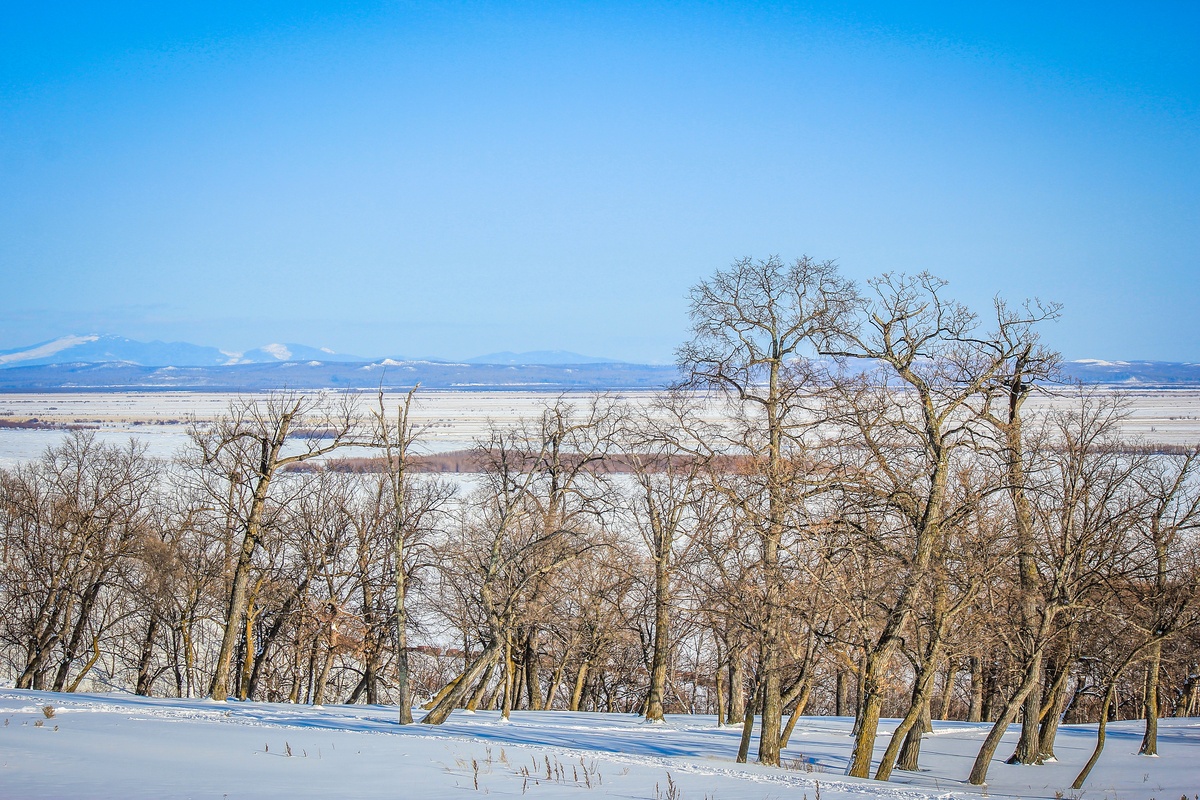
451	420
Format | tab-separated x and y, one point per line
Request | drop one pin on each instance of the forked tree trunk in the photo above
910	751
453	693
918	706
1052	710
477	695
801	698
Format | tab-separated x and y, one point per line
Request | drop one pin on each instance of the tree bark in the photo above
1150	737
1101	732
143	674
975	713
457	689
983	759
662	621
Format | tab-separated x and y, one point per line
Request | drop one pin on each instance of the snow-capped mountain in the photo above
103	348
270	353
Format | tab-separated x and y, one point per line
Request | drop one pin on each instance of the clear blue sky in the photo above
452	179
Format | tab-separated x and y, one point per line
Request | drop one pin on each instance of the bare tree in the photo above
668	509
1081	506
412	506
751	325
536	512
247	448
70	522
1167	573
933	347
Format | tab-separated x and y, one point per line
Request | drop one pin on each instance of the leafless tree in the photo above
751	325
537	510
70	522
247	448
935	350
669	508
412	507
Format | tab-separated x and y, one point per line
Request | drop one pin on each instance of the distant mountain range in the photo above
98	362
99	349
104	348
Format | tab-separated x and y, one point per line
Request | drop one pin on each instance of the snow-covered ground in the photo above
118	745
449	420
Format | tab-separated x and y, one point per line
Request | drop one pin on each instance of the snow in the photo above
47	349
279	351
1099	362
119	745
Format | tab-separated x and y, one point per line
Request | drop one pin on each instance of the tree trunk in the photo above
748	724
947	690
143	674
1052	711
248	654
533	686
662	644
720	689
737	686
975	713
983	760
403	690
1150	738
868	724
580	680
1101	732
322	680
510	679
457	689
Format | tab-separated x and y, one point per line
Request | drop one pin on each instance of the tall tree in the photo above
247	448
934	348
668	509
412	506
752	326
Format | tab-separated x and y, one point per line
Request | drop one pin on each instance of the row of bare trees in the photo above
845	507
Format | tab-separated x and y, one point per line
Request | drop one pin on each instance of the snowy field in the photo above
122	746
451	420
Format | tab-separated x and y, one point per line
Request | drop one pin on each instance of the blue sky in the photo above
458	178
